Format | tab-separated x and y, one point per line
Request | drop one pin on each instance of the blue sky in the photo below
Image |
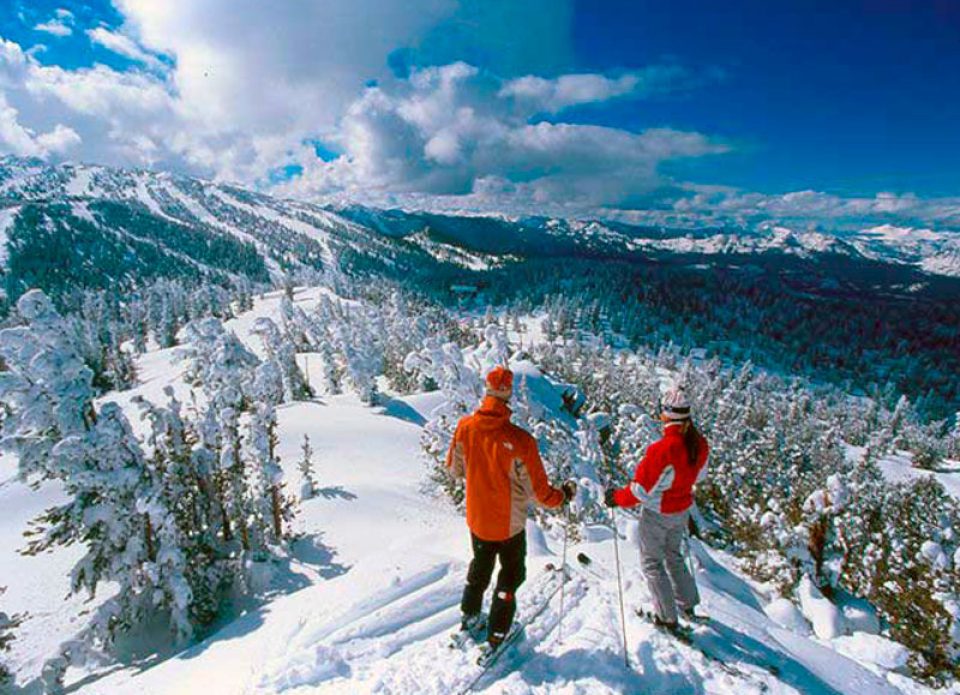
815	110
851	96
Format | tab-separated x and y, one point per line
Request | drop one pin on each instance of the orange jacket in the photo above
503	470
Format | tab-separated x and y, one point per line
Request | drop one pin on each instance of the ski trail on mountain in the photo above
380	624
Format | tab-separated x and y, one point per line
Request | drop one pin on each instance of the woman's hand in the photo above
610	497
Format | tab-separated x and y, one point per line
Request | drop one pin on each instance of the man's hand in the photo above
569	490
609	497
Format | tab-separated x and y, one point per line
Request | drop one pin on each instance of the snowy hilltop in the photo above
260	510
224	421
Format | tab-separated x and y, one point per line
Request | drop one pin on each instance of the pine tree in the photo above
8	624
281	352
443	363
112	506
260	458
308	481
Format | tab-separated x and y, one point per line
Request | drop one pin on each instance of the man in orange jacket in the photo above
504	473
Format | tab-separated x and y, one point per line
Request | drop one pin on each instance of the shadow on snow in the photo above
149	645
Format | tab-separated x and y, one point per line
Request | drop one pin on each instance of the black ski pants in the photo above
512	554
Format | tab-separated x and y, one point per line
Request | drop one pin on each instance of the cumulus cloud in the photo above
244	88
20	140
455	131
105	115
719	205
122	45
554	95
275	71
61	24
235	89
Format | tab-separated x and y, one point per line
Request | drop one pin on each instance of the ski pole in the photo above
563	574
689	554
623	617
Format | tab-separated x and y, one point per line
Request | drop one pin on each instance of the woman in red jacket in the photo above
663	485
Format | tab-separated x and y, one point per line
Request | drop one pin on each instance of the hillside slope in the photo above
368	594
72	227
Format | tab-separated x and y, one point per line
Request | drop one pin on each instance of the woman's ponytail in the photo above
691	439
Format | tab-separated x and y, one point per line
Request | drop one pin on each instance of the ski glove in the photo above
569	490
609	497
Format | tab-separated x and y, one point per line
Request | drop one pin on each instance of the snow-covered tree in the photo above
443	364
112	504
308	479
47	388
8	623
262	464
281	351
356	341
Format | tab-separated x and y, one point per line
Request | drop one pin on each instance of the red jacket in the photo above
503	470
665	478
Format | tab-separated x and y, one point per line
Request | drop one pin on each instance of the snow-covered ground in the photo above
7	216
899	469
371	590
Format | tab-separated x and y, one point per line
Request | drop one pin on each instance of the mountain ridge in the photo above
83	226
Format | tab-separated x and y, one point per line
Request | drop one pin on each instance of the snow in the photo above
7	217
202	214
937	253
826	618
898	468
372	586
859	615
786	614
81	211
291	223
35	585
873	650
79	184
448	253
142	193
946	263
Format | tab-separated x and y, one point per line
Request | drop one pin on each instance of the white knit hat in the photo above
674	404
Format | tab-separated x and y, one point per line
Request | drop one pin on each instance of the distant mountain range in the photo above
74	226
936	253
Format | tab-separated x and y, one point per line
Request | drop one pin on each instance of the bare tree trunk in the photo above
151	551
277	512
227	532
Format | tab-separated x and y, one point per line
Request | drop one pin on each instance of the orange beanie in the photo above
500	383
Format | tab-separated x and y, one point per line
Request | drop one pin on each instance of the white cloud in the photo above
99	113
54	27
553	95
247	83
20	140
268	68
453	131
567	90
60	25
122	45
233	89
721	204
59	140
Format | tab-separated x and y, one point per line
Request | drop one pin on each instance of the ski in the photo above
474	634
477	635
489	657
685	635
